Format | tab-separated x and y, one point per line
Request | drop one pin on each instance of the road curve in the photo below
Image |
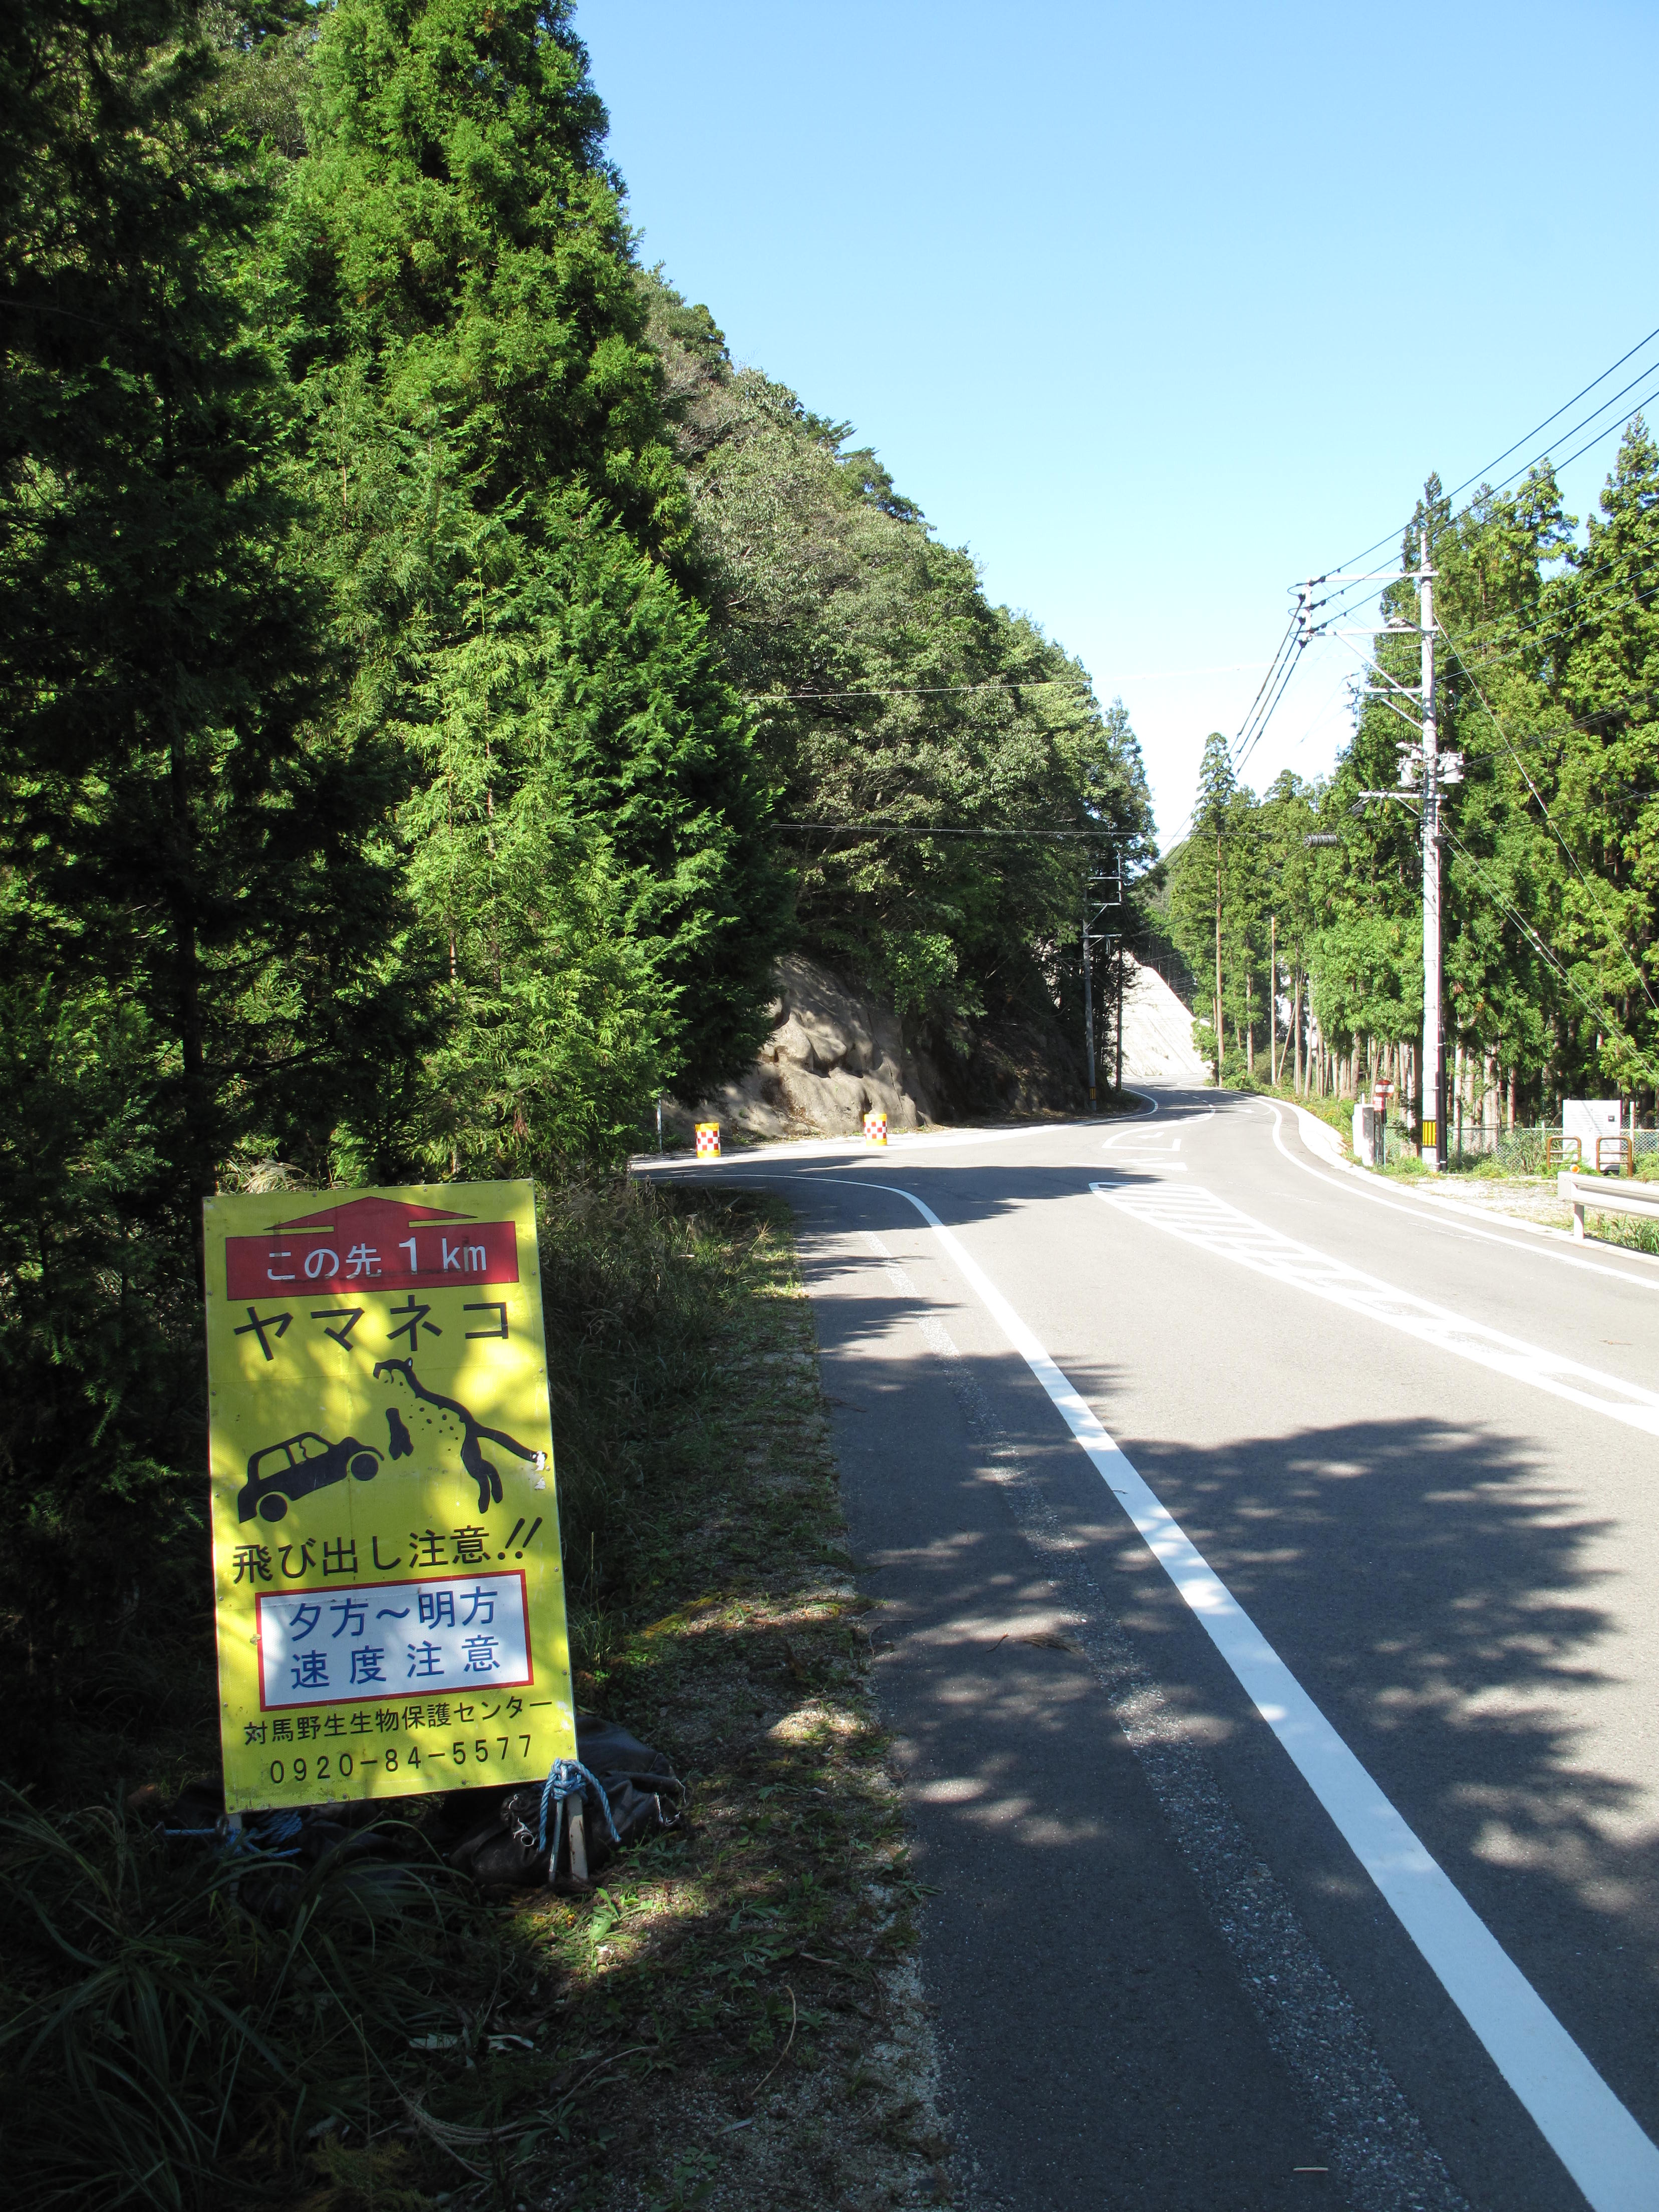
1266	1568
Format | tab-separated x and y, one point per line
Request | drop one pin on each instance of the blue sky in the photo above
1157	309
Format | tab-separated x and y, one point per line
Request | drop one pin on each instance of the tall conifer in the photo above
174	833
464	326
189	907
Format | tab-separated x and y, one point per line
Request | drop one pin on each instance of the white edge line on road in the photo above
1608	2156
1425	1210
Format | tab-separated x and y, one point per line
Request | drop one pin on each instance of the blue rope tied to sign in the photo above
567	1778
261	1841
280	1828
275	1828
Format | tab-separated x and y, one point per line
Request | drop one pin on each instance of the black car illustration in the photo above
296	1466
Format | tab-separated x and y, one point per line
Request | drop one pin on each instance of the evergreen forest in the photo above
436	684
1308	956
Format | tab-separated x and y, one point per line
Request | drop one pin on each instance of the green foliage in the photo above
177	827
1548	686
888	689
1239	876
503	519
456	233
188	872
99	1371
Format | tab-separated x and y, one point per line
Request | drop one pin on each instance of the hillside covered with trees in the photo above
1547	685
438	683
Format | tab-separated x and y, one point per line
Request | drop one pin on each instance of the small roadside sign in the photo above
387	1583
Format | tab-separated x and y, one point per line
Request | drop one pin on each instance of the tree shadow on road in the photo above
1474	1635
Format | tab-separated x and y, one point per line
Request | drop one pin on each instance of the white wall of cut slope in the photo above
1158	1032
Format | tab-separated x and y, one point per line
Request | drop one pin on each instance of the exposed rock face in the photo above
1158	1032
833	1056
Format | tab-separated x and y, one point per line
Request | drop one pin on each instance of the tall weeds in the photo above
163	2042
633	1281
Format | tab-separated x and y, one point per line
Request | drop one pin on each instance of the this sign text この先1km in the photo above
372	1241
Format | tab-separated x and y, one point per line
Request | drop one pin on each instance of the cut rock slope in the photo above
832	1057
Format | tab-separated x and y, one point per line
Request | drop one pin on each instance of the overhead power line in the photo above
1261	719
1605	431
925	690
953	829
1481	473
1273	689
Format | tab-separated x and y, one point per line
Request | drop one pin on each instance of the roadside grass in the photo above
165	2047
1619	1228
756	1975
731	2018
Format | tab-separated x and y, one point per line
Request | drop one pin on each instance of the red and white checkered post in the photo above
708	1140
875	1127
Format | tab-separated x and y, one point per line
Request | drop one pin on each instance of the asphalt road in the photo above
1267	1571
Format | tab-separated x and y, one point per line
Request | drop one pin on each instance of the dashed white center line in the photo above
1197	1217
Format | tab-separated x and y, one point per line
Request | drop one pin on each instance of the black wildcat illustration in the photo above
449	1429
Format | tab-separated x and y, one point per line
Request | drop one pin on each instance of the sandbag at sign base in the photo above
644	1796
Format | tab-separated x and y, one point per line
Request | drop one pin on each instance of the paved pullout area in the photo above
1265	1569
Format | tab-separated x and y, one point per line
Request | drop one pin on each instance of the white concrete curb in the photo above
1322	1139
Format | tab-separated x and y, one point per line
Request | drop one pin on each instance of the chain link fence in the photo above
1525	1152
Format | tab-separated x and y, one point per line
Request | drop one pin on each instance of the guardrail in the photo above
1602	1196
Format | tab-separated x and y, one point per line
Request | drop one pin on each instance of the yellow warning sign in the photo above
386	1533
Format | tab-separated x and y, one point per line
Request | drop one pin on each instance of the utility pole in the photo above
1088	1000
1101	889
1219	1046
1437	769
1273	1000
1120	1037
1430	1128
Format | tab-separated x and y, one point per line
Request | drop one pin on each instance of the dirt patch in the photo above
1525	1198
